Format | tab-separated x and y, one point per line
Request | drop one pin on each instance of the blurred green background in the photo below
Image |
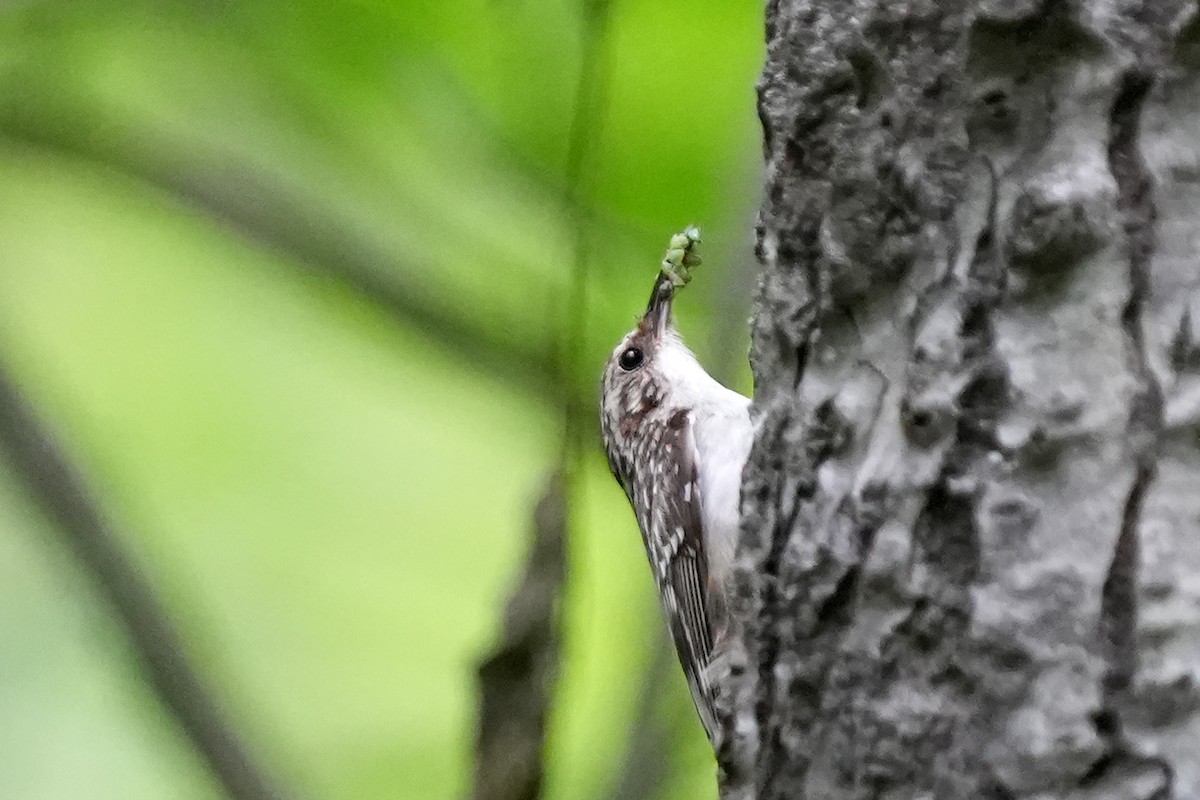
285	279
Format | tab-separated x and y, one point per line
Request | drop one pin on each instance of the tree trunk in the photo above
970	557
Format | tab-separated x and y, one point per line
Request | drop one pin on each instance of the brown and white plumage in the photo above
676	441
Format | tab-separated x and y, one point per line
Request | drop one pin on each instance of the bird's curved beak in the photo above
657	318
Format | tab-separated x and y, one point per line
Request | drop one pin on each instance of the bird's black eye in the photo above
631	358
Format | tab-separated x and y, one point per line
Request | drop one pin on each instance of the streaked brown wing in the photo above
674	540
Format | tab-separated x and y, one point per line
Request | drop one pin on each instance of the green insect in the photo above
681	256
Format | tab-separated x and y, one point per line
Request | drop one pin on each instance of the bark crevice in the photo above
1120	591
1136	203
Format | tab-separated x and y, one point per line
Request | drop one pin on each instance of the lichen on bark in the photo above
970	555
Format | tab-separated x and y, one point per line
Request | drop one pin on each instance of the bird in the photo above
676	441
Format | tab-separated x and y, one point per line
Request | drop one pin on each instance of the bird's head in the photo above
640	378
648	372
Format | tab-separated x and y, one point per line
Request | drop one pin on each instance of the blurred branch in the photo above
641	775
60	489
263	211
516	679
591	97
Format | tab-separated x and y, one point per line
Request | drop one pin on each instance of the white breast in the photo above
723	435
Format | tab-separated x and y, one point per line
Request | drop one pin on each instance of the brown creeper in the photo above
676	441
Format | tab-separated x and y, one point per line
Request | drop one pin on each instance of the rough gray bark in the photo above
970	558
